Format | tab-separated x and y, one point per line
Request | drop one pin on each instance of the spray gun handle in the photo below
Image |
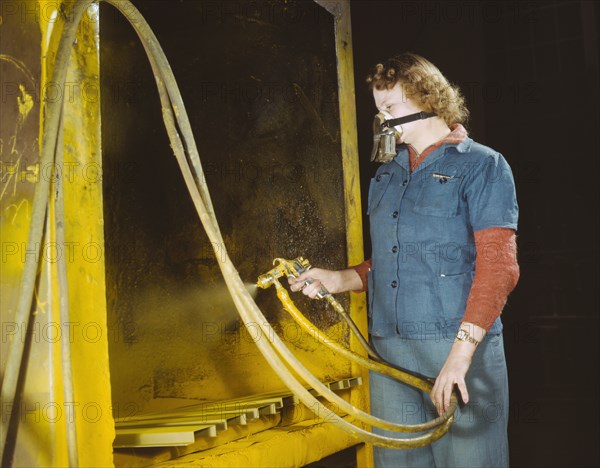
300	265
323	293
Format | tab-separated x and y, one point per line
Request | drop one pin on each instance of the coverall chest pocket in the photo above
439	196
378	186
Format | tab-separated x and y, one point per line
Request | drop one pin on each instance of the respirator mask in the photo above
387	131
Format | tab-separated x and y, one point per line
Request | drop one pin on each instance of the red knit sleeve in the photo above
362	270
496	275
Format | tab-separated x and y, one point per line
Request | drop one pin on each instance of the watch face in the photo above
461	335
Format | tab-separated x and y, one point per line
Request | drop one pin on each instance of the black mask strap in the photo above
407	118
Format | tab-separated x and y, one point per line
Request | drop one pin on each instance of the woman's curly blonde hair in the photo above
423	84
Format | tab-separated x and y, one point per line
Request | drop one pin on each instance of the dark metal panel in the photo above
260	85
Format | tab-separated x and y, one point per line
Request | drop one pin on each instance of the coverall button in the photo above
395	214
394	284
378	178
395	249
405	182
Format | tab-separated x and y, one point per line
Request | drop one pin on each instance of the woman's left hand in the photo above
454	372
455	368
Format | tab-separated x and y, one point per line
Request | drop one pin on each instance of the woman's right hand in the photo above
335	281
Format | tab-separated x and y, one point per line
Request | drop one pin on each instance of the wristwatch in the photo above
463	335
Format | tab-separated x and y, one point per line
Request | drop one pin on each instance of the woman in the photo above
443	215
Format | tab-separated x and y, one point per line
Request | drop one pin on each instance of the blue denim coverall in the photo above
423	264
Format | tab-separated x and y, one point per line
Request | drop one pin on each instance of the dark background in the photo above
261	96
529	71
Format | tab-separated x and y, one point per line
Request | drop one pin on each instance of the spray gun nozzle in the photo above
269	278
265	281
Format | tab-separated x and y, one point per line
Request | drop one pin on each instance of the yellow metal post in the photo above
352	199
36	421
82	182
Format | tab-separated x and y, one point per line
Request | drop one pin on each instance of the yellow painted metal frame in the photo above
82	182
352	196
42	411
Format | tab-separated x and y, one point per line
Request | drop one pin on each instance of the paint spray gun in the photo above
293	269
